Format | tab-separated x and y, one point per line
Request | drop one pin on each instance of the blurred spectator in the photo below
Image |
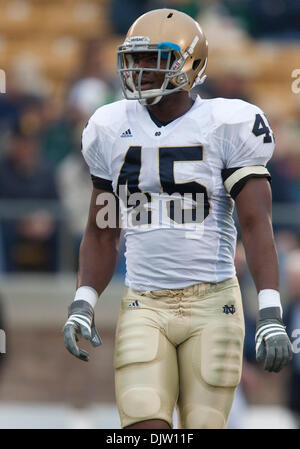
57	134
292	319
231	82
268	19
92	87
88	94
280	19
17	106
239	10
29	239
124	12
284	187
285	172
292	170
27	77
94	65
75	195
285	175
26	89
190	7
222	30
40	116
8	114
286	242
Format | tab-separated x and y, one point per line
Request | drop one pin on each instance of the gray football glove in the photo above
80	323
272	341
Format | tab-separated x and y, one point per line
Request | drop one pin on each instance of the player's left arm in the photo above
247	144
254	207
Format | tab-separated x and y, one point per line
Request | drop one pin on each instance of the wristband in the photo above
87	294
269	298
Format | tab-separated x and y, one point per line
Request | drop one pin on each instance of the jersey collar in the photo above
150	124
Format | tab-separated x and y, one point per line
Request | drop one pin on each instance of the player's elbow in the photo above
103	236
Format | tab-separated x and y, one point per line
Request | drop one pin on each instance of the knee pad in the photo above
222	354
140	402
135	350
202	417
140	363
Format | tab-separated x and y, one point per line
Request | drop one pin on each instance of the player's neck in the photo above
171	107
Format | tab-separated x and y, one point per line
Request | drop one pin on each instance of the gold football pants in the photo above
179	348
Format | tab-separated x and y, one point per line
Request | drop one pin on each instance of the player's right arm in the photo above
98	250
97	262
99	246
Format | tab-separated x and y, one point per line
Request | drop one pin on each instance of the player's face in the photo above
151	79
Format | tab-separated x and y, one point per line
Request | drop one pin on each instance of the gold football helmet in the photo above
177	40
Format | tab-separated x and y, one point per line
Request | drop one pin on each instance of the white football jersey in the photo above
182	178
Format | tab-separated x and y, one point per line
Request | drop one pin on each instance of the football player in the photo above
177	166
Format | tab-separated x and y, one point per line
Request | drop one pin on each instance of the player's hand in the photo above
80	323
272	342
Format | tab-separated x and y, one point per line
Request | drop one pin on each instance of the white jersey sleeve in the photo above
93	150
248	144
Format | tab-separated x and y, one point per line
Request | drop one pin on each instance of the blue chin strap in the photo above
167	45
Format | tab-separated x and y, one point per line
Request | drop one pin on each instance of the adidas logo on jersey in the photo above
127	133
133	305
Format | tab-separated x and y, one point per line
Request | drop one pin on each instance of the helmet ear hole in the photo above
196	63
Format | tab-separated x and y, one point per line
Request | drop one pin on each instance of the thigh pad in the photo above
222	354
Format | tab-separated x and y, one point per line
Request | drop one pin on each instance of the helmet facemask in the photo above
167	52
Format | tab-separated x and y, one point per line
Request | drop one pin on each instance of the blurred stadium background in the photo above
59	60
